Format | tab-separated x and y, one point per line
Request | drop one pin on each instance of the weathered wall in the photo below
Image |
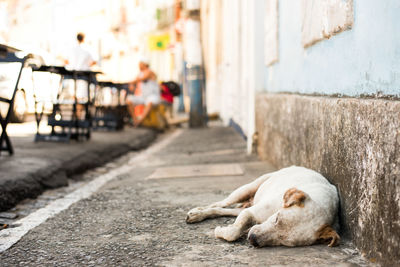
271	54
234	58
363	60
323	19
355	143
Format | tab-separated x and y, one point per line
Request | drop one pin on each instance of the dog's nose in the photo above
253	240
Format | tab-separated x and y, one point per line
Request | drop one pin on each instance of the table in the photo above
110	111
71	117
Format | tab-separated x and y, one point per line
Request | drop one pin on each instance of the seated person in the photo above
150	96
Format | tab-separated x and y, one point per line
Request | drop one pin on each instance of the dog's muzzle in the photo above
253	240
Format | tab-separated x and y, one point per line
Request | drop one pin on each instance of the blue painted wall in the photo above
363	60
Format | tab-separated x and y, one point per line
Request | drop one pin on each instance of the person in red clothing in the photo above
166	94
167	97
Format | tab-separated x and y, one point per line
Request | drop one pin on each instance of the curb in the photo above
30	185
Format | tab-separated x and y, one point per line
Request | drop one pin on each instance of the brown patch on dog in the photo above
248	203
293	196
327	234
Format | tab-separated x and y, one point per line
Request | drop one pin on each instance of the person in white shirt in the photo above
80	58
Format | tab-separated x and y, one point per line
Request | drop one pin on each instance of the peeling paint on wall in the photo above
323	19
271	32
362	61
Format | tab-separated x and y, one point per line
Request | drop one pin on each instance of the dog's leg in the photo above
232	232
240	195
243	193
200	214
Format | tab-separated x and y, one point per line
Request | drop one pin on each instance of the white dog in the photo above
294	206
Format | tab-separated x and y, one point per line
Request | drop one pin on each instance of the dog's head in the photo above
301	221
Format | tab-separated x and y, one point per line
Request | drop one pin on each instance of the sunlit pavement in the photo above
136	221
36	166
26	129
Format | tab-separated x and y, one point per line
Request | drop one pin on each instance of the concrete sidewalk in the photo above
137	219
35	167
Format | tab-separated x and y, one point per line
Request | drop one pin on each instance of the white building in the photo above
319	82
232	36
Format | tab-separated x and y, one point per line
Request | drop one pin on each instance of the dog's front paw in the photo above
195	215
229	233
218	232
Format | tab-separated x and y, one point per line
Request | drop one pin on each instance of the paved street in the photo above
37	166
136	221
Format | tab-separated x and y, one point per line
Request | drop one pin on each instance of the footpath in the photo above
35	167
138	217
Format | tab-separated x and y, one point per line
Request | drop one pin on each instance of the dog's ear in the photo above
293	196
327	234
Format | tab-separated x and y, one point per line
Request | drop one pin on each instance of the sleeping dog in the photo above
294	206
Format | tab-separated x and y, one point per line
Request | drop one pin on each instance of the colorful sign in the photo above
158	42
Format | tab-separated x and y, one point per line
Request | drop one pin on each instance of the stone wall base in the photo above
355	143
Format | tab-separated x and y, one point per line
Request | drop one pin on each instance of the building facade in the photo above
319	83
116	31
232	36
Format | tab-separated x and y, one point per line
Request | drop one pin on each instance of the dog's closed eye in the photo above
277	218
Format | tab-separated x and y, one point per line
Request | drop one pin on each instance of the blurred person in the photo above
166	95
169	90
81	59
150	92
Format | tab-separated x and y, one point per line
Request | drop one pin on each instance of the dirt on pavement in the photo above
134	221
